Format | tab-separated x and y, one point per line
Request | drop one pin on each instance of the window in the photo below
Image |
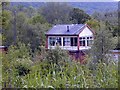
52	41
89	41
86	41
82	41
73	41
66	41
58	41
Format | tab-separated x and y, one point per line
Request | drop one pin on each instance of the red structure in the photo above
3	49
76	38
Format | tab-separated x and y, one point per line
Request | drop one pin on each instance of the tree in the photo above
56	13
37	19
40	29
111	21
57	56
79	15
6	25
15	63
93	23
102	44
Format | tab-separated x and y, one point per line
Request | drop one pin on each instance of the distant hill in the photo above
88	7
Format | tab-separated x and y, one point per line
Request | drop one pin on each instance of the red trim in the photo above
88	27
91	31
46	42
78	42
82	29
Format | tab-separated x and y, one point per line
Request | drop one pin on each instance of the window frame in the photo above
86	41
66	41
82	41
52	40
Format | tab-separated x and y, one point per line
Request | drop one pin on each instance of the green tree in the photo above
57	56
38	19
15	63
79	15
56	13
7	33
93	23
102	44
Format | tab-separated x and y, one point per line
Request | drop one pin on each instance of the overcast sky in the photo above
62	0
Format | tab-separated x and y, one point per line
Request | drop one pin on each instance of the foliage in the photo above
15	63
54	69
31	24
102	44
56	13
6	16
110	19
93	23
60	74
57	56
6	25
40	30
79	15
71	75
38	19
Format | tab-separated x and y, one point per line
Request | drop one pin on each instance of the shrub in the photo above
15	62
56	71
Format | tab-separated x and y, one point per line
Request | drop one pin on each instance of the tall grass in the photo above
48	73
69	76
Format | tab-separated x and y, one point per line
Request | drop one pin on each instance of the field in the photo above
55	70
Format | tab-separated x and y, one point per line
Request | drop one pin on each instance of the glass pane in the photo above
84	43
88	42
90	37
66	41
75	41
58	41
81	43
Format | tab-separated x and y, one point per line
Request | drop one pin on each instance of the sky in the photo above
61	0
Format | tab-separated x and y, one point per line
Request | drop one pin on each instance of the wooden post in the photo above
78	43
46	42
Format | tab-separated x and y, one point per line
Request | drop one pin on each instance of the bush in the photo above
56	70
72	75
57	56
15	63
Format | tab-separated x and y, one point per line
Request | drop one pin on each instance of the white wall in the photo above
86	32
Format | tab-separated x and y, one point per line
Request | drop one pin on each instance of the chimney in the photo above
67	28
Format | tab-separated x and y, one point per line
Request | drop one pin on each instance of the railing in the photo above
64	47
71	47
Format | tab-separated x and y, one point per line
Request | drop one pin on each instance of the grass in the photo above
48	73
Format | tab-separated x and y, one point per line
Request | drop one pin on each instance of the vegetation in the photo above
103	43
54	71
27	64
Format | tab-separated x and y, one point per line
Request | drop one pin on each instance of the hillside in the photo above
88	7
